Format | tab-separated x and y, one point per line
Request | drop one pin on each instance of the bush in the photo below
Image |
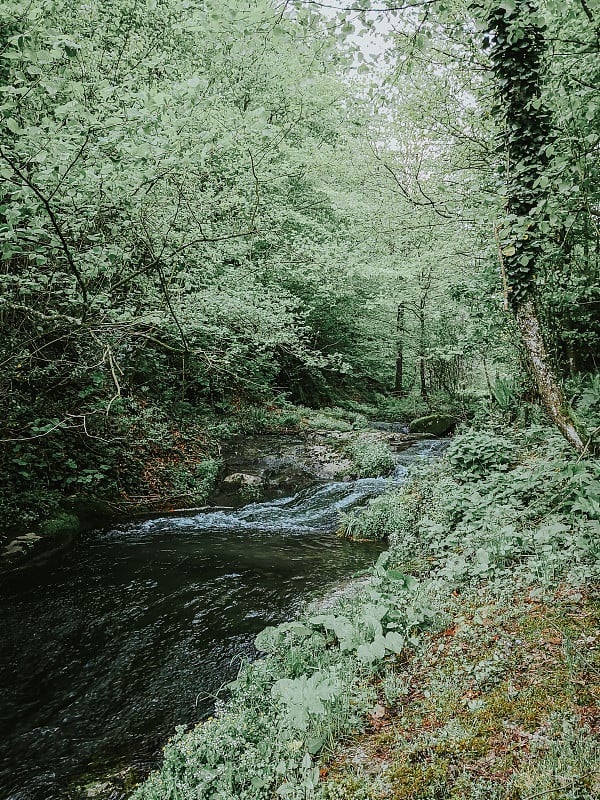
475	454
206	475
61	524
286	419
531	522
588	404
371	458
402	409
329	419
252	419
384	516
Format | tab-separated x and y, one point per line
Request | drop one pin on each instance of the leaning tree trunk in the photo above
516	43
547	385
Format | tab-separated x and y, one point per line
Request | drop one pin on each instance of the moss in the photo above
434	424
347	788
415	780
498	710
467	787
461	736
61	524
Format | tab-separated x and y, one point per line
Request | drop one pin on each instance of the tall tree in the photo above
545	127
516	42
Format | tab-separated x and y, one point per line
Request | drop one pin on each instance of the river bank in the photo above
255	456
446	676
135	628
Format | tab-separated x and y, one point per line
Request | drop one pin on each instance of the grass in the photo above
385	516
371	457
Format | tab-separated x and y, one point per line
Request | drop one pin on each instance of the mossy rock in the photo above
435	424
63	523
90	513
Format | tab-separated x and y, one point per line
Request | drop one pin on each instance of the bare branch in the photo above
421	4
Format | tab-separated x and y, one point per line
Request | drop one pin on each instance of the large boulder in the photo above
434	425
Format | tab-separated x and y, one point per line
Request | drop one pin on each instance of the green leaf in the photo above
394	642
13	126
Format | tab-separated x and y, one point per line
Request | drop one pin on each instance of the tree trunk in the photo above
399	377
515	37
422	371
548	388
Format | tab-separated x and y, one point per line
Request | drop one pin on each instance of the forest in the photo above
356	242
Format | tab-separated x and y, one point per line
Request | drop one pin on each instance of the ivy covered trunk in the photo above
515	41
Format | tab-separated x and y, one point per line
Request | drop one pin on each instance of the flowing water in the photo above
133	631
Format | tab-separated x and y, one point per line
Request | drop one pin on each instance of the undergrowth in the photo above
440	647
371	457
502	704
385	516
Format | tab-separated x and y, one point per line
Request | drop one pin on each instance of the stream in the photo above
106	649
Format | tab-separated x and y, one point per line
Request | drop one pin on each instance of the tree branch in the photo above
50	211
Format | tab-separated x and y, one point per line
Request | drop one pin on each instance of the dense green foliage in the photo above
371	458
167	244
194	219
191	222
211	211
531	69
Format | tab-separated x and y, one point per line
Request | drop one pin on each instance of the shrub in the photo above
60	524
287	419
475	454
588	405
359	422
402	409
329	419
384	516
252	419
207	472
371	458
